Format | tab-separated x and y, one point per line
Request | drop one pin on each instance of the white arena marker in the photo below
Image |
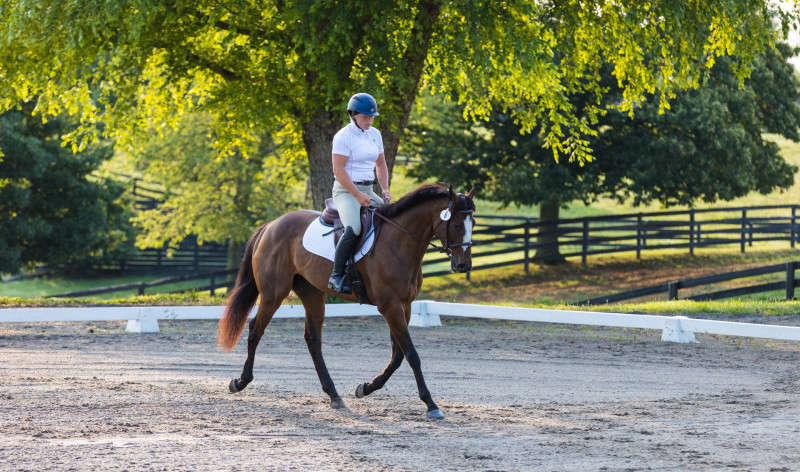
421	317
146	322
674	331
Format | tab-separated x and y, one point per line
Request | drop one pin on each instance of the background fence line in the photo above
519	239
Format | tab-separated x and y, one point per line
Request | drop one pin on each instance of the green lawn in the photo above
44	286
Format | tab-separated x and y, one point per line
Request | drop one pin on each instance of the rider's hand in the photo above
387	197
363	199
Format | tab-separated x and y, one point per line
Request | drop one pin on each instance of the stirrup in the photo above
337	283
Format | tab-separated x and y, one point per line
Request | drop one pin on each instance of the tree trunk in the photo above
235	253
547	238
318	135
403	89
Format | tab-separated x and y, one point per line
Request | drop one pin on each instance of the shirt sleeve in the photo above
340	145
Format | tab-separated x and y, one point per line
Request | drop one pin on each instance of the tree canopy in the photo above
707	146
215	199
255	67
50	211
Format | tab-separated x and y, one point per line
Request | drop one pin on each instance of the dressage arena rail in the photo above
425	313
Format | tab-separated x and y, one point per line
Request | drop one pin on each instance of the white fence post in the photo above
146	322
675	331
422	317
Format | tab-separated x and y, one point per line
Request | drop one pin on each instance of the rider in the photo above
357	159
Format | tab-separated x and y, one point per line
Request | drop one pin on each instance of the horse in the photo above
275	262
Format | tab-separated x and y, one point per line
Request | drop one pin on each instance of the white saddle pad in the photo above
318	239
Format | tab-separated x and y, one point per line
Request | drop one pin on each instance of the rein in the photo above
447	248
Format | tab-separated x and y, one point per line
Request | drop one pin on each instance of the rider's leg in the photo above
350	214
344	249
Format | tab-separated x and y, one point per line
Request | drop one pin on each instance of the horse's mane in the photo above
421	194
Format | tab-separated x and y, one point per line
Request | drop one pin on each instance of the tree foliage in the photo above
213	198
707	146
257	66
51	211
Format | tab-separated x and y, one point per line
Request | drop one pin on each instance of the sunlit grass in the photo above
45	286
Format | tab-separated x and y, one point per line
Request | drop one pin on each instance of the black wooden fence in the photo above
216	279
671	288
508	240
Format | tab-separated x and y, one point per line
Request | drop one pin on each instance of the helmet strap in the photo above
353	119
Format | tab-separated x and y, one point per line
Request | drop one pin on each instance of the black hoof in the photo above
234	387
361	391
436	414
337	404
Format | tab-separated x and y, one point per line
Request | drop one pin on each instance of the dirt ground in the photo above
517	396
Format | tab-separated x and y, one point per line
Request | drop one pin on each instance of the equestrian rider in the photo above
357	159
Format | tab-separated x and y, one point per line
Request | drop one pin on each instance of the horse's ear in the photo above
453	195
472	192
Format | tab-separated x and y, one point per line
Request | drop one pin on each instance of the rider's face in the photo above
363	121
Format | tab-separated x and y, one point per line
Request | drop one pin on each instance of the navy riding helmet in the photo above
363	103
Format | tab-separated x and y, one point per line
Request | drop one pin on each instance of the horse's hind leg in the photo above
394	362
257	326
379	381
314	304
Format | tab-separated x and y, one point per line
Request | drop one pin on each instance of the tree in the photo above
706	147
216	199
256	67
51	211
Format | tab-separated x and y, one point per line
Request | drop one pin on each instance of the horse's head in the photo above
455	230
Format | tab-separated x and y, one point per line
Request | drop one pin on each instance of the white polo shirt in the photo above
362	149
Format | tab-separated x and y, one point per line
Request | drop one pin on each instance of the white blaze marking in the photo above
467	230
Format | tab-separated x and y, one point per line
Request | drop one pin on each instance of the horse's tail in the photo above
241	299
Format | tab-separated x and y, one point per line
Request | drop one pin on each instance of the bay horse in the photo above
275	262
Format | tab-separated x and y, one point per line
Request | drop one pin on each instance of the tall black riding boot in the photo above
344	249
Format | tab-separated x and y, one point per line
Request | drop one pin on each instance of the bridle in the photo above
448	247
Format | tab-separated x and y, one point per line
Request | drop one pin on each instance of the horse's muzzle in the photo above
461	267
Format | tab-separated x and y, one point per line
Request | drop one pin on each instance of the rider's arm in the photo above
382	171
344	180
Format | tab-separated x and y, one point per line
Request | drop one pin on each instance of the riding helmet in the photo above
363	103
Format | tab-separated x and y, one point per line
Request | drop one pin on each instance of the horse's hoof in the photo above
233	388
360	391
436	414
337	404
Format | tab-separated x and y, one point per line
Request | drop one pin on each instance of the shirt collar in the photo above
356	129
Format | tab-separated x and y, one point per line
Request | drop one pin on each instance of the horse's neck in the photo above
421	221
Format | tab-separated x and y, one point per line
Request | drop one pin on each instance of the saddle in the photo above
330	217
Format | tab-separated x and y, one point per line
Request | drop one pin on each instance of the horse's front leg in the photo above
398	325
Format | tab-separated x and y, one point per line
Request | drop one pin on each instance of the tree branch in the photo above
213	67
